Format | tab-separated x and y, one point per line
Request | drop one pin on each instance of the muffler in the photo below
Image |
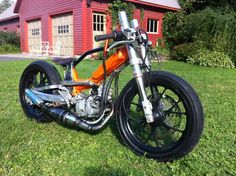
63	116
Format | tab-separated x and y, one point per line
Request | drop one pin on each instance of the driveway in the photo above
19	57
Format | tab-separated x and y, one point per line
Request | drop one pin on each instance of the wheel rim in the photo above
34	79
169	128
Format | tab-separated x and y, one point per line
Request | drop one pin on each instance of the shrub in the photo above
174	30
214	27
209	58
183	51
9	38
163	51
8	48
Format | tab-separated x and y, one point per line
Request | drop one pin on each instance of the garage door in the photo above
34	35
62	32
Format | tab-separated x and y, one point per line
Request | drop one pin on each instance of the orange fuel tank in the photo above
112	63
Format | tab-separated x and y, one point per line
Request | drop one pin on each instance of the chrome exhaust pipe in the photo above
35	99
63	116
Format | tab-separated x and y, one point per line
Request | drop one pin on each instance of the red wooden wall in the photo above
44	10
82	14
10	25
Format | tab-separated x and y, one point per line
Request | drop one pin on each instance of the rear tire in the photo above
179	120
37	74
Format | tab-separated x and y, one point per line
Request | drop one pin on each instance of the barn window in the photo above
152	26
98	22
63	29
35	31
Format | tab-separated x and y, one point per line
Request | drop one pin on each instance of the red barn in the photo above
74	23
9	21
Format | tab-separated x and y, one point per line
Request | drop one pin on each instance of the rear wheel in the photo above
37	74
178	117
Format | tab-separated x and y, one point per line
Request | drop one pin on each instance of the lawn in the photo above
29	148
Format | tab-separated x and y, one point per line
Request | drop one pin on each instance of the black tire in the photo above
178	122
47	75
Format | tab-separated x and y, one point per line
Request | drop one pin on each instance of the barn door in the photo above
99	27
62	32
34	35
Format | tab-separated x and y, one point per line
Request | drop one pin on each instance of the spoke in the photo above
42	79
136	120
138	128
35	81
163	92
149	137
170	127
179	113
154	91
155	137
169	140
137	104
173	112
170	110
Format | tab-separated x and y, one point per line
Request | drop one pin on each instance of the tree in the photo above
5	4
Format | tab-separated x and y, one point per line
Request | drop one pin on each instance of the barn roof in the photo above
166	4
8	13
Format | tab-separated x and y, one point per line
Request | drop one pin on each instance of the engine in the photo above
88	106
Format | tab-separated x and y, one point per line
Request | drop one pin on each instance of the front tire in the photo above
178	117
37	74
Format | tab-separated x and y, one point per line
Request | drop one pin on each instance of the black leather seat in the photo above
63	61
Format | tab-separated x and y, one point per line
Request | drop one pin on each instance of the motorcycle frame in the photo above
71	75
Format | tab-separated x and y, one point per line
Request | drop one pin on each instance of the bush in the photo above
214	27
8	48
183	51
9	38
209	58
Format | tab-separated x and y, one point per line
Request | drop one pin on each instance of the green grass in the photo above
9	49
29	148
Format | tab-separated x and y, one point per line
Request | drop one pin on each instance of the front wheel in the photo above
178	117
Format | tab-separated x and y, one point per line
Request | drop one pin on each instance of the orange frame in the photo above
112	63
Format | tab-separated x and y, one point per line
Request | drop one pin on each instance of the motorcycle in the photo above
158	114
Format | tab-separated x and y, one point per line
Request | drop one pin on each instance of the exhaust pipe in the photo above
35	100
64	117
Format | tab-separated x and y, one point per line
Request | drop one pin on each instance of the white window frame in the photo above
151	28
98	22
63	29
35	32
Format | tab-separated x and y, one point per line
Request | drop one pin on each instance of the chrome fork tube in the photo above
138	75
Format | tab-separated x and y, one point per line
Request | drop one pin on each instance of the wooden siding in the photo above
100	7
82	16
11	25
44	9
150	13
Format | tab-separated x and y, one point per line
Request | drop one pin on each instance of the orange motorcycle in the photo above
158	114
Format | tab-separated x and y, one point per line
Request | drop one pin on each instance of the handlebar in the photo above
116	35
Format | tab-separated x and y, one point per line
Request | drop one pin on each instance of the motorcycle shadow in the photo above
111	125
104	170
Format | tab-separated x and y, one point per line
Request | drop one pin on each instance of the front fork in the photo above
138	75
